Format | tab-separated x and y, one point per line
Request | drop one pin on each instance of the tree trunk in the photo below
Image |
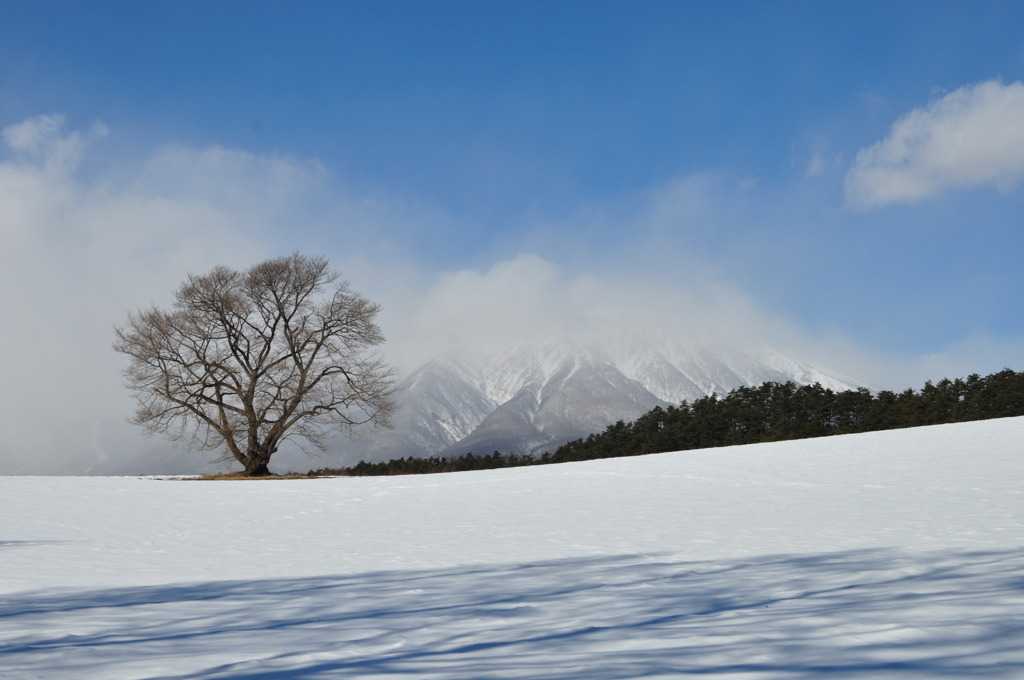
257	468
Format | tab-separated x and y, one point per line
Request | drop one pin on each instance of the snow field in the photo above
896	554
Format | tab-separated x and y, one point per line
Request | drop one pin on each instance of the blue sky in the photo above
846	176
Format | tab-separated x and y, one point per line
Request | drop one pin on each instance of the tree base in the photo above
258	470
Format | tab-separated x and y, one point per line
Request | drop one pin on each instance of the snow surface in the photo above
884	555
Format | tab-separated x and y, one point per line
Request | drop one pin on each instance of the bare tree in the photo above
247	360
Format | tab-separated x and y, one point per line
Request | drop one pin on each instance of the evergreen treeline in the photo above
420	466
748	415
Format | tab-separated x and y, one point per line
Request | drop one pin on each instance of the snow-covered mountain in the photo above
534	396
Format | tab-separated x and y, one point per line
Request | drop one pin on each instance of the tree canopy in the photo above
245	361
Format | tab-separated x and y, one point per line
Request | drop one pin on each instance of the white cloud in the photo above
77	253
529	297
44	140
970	137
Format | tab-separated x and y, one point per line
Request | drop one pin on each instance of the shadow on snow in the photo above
873	613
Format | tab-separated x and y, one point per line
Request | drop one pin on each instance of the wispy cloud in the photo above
529	298
82	243
76	254
970	137
43	140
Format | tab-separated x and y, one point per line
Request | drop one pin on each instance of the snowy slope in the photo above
884	555
440	404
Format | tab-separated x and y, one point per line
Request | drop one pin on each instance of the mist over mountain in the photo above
533	396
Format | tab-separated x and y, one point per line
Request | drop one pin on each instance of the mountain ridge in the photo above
535	395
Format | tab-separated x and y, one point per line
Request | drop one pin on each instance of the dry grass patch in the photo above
238	475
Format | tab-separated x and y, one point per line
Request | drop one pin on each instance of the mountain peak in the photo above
535	395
